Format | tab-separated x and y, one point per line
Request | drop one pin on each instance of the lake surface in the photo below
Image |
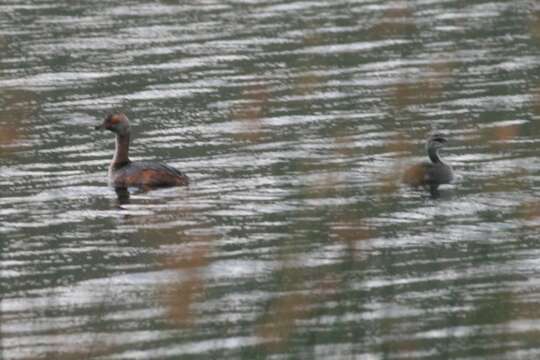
294	121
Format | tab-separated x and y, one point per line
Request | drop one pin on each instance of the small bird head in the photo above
117	123
436	141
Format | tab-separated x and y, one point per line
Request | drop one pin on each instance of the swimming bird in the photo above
430	174
124	173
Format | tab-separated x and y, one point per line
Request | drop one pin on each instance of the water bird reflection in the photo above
122	195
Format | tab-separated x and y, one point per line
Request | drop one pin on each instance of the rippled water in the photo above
293	119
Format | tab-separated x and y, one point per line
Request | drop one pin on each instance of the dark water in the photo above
294	119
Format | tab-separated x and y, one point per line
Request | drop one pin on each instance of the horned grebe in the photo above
430	174
124	173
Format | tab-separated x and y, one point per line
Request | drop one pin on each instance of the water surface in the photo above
294	121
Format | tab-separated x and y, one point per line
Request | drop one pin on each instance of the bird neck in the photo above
121	151
433	154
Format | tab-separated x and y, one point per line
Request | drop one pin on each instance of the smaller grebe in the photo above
124	173
430	174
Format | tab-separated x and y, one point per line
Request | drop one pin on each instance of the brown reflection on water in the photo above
250	113
536	101
348	227
425	88
180	297
530	210
8	135
351	231
306	83
187	254
500	136
534	25
400	146
16	108
500	140
278	322
398	20
300	290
